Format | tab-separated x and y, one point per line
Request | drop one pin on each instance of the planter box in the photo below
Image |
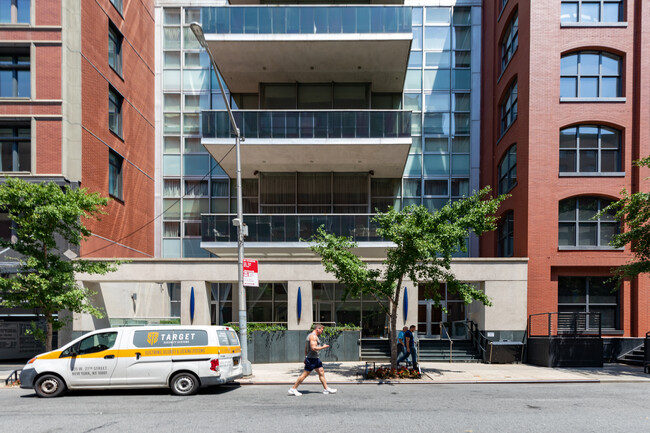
289	346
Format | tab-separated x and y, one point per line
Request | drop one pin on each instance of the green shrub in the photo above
253	326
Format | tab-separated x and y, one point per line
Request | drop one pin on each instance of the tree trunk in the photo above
49	333
393	326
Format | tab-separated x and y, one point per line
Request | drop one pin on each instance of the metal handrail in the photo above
477	336
555	328
451	342
646	354
13	376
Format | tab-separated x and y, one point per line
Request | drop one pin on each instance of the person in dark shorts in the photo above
313	345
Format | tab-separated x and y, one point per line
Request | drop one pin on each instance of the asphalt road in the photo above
613	407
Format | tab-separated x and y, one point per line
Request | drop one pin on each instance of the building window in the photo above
506	234
590	295
508	170
14	73
590	149
510	41
221	304
15	142
590	74
267	303
174	292
330	308
579	228
508	108
590	11
115	175
118	5
14	11
115	111
115	48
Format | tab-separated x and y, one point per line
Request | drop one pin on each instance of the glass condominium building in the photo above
432	114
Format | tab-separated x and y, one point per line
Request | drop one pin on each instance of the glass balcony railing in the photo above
306	19
309	124
289	227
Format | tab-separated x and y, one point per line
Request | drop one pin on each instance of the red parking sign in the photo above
250	273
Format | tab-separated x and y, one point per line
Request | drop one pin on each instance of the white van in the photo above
183	358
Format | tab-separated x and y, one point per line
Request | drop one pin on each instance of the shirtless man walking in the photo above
313	345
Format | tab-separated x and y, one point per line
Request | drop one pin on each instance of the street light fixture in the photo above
198	32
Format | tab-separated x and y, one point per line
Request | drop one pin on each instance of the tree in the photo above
424	244
47	218
634	211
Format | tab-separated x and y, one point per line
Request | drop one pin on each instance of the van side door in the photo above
145	359
91	361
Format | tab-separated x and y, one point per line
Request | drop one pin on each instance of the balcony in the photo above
281	235
328	140
309	44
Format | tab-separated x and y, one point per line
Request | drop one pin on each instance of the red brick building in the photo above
77	107
562	120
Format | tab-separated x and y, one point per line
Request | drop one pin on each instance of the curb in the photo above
438	382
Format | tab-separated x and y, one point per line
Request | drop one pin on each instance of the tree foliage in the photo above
47	218
634	211
424	243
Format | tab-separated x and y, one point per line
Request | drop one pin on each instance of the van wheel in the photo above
184	384
49	385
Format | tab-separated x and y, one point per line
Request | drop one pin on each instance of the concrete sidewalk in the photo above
441	372
338	373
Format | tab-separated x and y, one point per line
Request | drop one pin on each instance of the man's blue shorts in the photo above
312	363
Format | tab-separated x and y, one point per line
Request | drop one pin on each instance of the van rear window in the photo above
228	338
223	338
170	338
232	337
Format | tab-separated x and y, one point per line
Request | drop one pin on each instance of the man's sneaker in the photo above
294	391
329	391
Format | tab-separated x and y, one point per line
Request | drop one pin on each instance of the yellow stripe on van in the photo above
164	351
51	355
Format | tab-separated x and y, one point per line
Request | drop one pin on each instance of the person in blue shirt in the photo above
401	348
409	342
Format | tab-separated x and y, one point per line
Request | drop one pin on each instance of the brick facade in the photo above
541	115
127	229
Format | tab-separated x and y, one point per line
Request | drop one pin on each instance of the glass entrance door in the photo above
430	317
451	312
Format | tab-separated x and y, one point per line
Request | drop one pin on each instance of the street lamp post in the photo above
239	221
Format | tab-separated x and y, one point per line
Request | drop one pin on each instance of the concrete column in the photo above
201	303
412	314
508	310
307	310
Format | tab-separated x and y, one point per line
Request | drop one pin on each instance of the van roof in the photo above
167	327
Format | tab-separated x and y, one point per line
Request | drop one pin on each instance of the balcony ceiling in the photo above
247	60
267	250
258	2
385	156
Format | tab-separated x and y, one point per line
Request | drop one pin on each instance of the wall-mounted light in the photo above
134	296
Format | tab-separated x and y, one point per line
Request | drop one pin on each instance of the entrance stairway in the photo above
439	351
633	357
375	349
